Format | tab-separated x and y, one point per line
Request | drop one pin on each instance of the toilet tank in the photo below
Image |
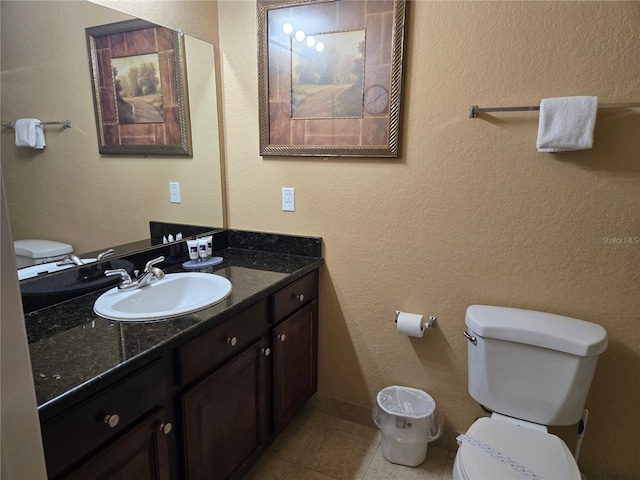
531	365
34	251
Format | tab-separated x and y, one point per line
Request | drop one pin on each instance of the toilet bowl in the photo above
531	369
495	448
33	251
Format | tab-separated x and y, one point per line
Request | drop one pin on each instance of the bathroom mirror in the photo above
68	192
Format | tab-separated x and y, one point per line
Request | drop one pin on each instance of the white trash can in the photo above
408	420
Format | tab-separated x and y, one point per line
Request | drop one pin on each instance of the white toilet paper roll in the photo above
410	324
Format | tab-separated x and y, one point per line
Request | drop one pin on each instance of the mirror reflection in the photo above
68	192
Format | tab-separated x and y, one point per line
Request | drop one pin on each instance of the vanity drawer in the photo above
208	351
291	298
78	431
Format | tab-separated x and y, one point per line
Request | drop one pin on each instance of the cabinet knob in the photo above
166	428
282	337
112	420
266	351
233	341
300	297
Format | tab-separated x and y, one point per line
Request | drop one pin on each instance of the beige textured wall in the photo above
69	192
470	213
195	18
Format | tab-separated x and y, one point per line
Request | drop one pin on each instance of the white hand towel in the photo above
29	133
40	143
566	124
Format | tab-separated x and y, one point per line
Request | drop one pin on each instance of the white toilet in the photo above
34	252
531	369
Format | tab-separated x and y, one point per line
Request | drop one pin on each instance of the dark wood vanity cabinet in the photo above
225	415
231	415
295	348
205	410
225	405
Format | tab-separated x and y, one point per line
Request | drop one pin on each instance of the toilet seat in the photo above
543	455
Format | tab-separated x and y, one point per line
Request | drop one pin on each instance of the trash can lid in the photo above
406	402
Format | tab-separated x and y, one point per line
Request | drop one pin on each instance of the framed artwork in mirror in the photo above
138	76
330	77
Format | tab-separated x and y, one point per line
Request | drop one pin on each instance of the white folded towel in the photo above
566	124
29	133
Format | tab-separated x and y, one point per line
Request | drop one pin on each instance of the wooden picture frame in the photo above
138	76
341	100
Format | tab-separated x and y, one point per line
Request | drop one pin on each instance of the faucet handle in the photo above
126	278
65	261
70	259
153	262
105	254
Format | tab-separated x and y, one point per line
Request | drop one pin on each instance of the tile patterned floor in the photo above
317	446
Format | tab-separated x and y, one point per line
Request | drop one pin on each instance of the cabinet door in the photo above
225	418
295	346
142	453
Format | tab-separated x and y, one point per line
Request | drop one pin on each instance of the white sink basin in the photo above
42	268
176	294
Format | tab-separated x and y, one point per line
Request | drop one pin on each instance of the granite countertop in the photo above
74	351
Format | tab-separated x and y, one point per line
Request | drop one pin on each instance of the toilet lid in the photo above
40	248
495	449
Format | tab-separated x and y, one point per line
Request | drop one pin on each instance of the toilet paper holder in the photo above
430	323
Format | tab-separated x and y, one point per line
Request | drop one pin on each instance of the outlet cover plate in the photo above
174	192
288	199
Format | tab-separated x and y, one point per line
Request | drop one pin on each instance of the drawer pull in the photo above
166	428
266	351
112	420
233	341
282	337
300	298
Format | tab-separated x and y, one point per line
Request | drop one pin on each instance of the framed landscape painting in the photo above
139	88
330	77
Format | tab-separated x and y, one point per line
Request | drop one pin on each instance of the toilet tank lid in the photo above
41	248
540	329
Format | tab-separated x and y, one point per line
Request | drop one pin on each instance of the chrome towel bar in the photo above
475	109
66	123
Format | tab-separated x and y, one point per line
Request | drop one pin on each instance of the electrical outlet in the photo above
174	192
288	199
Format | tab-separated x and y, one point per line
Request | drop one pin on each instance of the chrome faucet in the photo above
150	275
70	259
